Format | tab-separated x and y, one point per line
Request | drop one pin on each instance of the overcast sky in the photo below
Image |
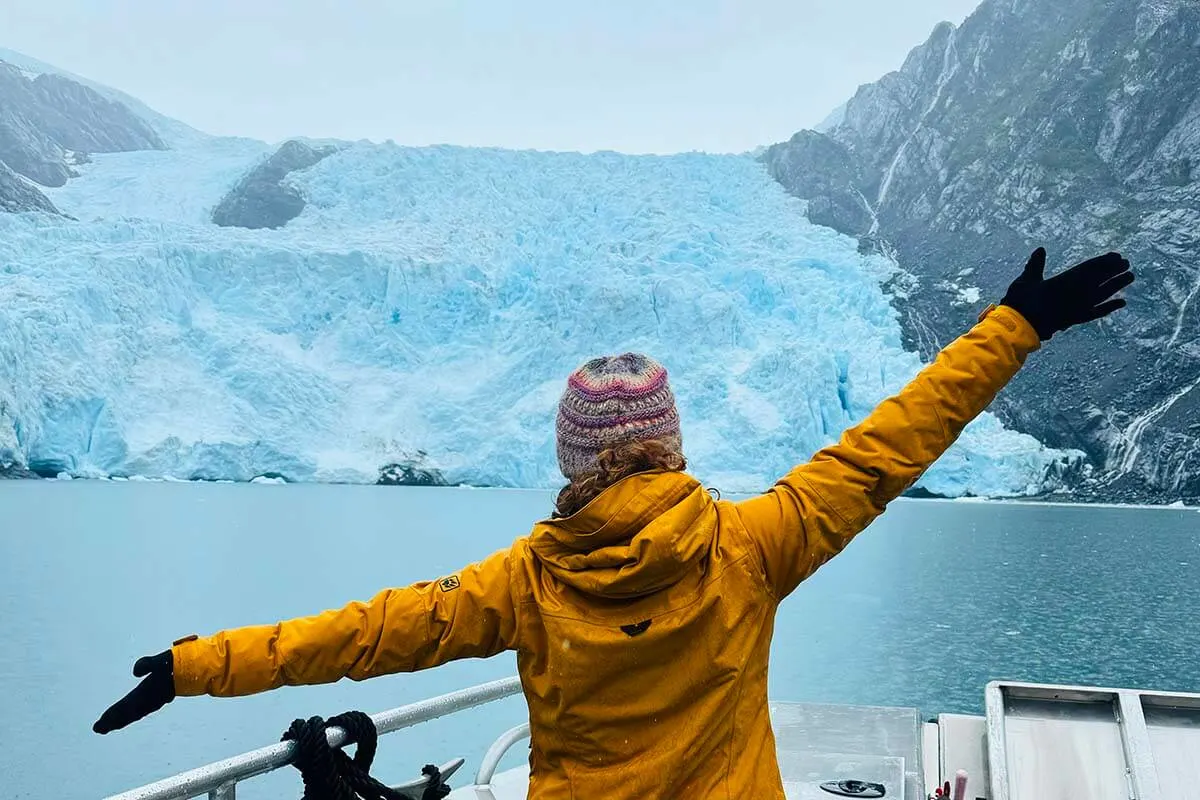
630	75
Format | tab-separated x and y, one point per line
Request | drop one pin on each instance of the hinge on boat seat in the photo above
852	788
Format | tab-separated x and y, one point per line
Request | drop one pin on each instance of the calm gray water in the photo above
922	610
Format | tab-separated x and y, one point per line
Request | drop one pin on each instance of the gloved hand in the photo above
155	691
1077	295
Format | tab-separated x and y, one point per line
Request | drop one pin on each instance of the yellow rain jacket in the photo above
642	624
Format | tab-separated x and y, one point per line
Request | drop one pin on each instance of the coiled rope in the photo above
330	774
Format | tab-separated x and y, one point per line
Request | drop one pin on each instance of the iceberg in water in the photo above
427	306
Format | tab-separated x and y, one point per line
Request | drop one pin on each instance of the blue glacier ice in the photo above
433	300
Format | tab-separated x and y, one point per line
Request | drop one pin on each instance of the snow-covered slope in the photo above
175	186
434	300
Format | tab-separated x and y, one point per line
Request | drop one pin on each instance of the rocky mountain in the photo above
263	198
1073	124
48	124
18	194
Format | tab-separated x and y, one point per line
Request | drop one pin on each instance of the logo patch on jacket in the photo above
449	584
635	629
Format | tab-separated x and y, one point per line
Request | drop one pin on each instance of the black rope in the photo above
330	774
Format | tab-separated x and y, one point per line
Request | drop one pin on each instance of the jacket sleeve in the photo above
470	614
816	509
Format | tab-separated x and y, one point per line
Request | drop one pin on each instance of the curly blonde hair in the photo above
615	464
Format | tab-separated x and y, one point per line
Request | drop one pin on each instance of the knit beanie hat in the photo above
610	401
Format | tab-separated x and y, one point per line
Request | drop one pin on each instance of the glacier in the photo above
427	306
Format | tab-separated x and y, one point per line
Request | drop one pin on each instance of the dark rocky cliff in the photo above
263	199
47	124
1073	124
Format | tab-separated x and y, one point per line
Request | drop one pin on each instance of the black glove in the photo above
155	691
1080	294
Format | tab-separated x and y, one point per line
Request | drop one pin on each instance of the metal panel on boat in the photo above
962	744
1066	742
1064	751
1173	724
930	743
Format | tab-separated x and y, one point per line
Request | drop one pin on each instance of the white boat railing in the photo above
219	780
491	759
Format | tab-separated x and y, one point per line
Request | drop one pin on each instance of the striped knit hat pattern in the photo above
610	401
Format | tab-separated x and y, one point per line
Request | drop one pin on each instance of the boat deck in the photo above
1045	742
816	744
1034	742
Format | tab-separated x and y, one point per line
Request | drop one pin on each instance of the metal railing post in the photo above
491	759
226	791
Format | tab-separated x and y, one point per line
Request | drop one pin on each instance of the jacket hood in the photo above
640	535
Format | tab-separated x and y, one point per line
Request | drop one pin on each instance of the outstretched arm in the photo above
811	514
470	614
814	511
467	615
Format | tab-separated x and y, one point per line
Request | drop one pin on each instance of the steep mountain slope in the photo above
19	195
1073	124
173	132
48	125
